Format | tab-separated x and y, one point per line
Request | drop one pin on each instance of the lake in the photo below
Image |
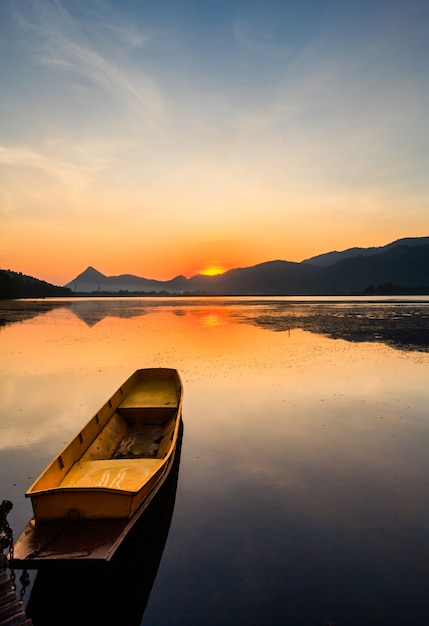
301	497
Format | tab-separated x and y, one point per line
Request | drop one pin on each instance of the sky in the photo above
167	137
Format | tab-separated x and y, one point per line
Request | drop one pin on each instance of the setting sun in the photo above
212	270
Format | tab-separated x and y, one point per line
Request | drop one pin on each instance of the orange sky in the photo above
60	258
153	142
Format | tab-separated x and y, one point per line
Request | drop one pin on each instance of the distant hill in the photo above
92	280
399	267
403	266
329	258
16	285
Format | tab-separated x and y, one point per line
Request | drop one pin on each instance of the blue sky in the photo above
165	137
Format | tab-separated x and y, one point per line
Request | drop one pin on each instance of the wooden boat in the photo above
108	473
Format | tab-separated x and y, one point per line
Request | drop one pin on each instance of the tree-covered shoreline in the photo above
17	285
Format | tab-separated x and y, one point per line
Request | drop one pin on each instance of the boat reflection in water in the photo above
115	592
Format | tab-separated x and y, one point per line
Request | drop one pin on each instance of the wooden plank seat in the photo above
153	394
126	474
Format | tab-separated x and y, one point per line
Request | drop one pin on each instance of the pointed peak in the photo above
91	272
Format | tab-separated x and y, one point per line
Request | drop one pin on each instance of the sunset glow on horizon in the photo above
159	139
212	270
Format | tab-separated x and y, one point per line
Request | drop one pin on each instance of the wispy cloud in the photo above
138	92
88	51
22	157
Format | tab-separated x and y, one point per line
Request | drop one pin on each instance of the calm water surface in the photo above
302	490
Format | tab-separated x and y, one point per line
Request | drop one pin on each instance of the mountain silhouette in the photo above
92	280
398	267
329	258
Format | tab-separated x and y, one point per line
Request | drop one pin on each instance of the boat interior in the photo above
141	427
